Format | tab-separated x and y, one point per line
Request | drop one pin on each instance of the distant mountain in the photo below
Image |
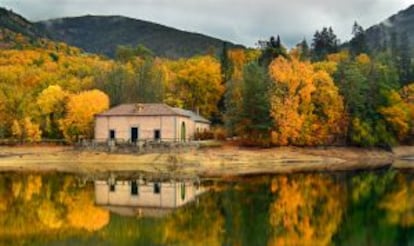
102	34
380	36
18	24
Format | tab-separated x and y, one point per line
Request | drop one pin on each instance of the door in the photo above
112	134
157	134
134	134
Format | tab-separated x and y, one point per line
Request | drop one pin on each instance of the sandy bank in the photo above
210	162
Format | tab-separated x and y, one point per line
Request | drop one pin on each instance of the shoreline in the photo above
225	161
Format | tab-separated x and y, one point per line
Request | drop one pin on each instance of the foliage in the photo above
81	108
305	104
194	84
324	43
254	123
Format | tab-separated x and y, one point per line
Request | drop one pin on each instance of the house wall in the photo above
170	195
170	127
201	127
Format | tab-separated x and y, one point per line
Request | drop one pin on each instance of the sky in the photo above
238	21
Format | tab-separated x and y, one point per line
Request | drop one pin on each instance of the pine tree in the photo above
358	42
255	123
324	42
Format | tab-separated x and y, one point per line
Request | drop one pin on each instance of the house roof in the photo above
142	109
195	117
151	109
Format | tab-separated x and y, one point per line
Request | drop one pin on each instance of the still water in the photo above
346	208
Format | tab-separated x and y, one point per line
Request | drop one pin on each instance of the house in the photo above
140	197
149	121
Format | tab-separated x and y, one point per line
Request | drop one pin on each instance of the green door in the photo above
183	131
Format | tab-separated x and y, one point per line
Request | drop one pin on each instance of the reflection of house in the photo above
136	197
133	122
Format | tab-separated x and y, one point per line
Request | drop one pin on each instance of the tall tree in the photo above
358	42
255	122
270	50
324	42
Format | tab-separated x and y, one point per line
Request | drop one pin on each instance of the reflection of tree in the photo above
399	203
364	222
82	213
195	225
47	205
307	210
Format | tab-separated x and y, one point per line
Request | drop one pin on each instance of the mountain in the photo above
18	24
102	34
380	36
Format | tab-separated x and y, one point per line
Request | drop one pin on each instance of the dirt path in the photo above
210	162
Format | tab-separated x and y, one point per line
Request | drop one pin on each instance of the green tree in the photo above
324	42
254	126
358	42
270	50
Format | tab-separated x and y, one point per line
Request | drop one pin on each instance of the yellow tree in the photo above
51	103
81	109
196	83
396	115
305	104
291	100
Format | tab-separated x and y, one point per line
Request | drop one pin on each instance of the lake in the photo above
343	208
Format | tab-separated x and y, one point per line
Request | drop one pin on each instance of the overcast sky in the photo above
238	21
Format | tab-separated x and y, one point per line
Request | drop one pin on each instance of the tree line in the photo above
324	93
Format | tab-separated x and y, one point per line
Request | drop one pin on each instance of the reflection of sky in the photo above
239	21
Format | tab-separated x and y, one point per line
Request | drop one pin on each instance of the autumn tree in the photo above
51	102
80	111
195	84
305	104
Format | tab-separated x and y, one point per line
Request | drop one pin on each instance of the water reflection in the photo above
348	208
140	197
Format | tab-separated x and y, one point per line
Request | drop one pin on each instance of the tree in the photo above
80	110
51	102
195	84
270	50
255	123
358	42
324	42
304	51
305	104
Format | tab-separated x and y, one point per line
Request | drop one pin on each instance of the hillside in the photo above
18	24
380	36
102	34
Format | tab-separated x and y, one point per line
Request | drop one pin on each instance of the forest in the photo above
325	93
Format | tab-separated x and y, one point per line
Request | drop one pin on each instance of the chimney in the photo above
139	107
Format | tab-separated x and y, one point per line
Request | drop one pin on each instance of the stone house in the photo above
149	121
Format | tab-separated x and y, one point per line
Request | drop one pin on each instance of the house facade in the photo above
134	122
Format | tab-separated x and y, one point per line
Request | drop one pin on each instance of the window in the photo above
134	188
157	188
112	187
111	134
157	134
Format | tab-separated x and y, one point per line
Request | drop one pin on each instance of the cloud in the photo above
240	21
